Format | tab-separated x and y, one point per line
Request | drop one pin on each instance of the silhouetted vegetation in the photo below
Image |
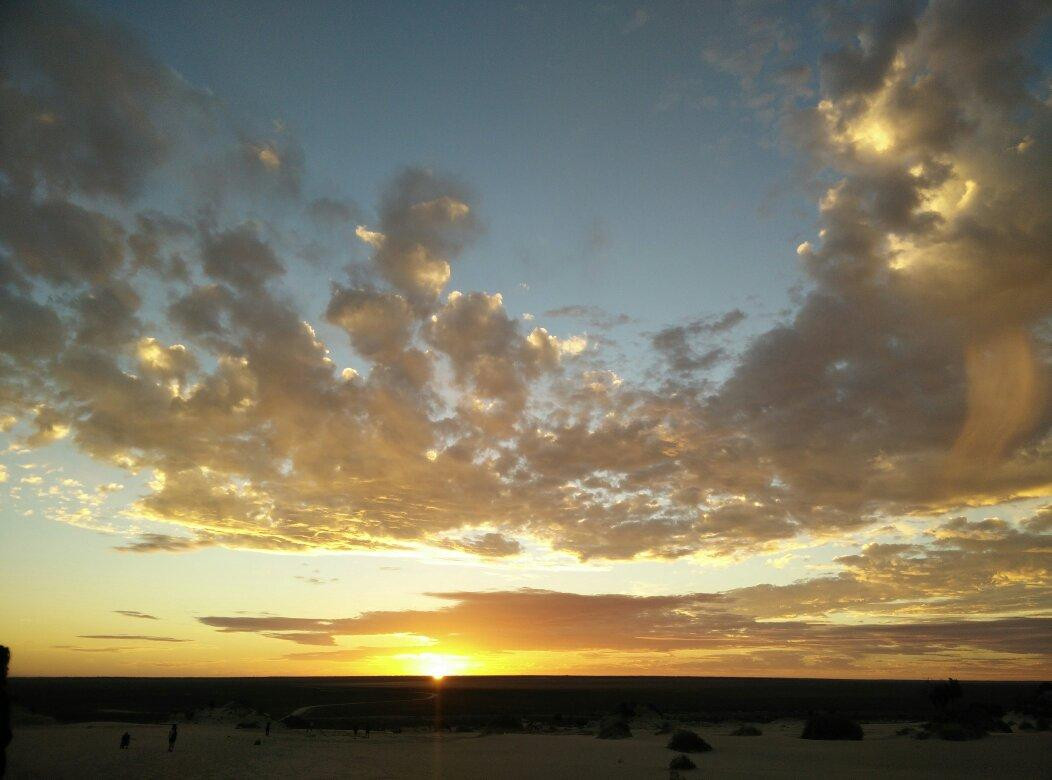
295	722
831	726
961	722
1037	706
745	730
956	720
682	762
502	724
943	693
686	741
614	727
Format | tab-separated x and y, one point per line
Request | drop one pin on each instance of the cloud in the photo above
910	379
317	580
674	343
423	220
134	614
595	316
76	649
148	543
239	257
693	627
85	107
136	637
332	211
487	545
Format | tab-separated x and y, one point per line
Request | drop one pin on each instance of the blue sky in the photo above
596	185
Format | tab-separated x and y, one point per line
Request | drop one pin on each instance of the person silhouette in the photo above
268	728
173	735
5	709
125	740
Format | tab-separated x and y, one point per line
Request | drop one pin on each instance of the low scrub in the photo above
502	724
831	726
745	730
962	723
682	762
614	728
685	741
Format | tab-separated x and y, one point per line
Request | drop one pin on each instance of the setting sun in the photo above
439	666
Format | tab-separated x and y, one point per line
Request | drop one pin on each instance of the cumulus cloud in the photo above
424	219
912	378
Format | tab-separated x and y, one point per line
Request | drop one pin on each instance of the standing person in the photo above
5	709
172	736
125	740
268	728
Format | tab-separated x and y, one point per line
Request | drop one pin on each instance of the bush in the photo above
745	730
974	721
830	726
502	724
248	724
685	741
682	762
296	722
955	732
613	728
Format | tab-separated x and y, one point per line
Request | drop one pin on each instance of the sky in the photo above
526	338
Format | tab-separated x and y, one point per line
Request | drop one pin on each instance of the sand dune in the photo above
90	750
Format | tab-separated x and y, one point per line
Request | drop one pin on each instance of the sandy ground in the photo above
90	750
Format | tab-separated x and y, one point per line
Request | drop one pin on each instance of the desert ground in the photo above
91	750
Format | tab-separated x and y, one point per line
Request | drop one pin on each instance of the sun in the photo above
438	667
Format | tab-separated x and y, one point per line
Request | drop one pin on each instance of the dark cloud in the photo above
76	649
858	70
531	620
148	543
84	107
28	330
59	241
676	344
240	258
134	614
136	637
488	545
423	220
595	316
332	211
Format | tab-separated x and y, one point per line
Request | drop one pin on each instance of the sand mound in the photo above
614	728
686	741
233	713
746	730
831	726
20	716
